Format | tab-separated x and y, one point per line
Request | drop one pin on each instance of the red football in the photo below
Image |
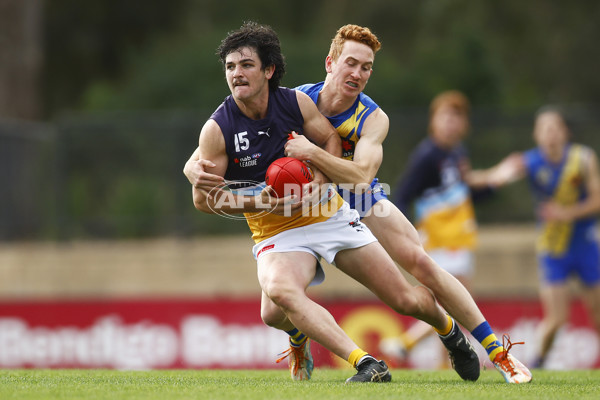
286	176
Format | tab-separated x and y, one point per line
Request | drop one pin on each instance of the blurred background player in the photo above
435	180
565	181
363	126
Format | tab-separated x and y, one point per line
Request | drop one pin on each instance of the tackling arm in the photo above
195	170
317	128
211	155
367	156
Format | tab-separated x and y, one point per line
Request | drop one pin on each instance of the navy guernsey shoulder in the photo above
252	145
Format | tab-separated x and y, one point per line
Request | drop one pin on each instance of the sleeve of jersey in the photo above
303	88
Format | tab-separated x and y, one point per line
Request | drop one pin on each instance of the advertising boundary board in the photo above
219	333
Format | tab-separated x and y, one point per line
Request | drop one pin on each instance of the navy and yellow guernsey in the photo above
252	145
444	213
564	184
349	126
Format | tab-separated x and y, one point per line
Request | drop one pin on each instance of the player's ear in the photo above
269	71
328	62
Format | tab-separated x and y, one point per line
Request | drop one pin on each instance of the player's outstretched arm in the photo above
509	170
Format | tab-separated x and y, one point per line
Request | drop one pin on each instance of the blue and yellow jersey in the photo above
563	183
349	126
348	123
252	145
444	213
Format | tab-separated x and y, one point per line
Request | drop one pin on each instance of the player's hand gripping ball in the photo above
287	175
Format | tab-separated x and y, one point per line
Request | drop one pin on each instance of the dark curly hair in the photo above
264	40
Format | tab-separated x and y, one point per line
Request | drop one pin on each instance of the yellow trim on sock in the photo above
297	343
294	339
447	329
491	338
356	355
495	352
296	335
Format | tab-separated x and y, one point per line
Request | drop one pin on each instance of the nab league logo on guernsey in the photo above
348	147
247	161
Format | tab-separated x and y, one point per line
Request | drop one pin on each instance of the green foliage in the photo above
135	204
120	169
173	75
122	55
88	42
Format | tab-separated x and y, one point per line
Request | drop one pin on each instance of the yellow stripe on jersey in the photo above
347	129
264	226
555	234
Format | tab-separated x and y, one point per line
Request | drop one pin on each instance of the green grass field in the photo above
276	384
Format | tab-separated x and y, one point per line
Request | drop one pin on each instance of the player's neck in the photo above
255	107
332	103
555	156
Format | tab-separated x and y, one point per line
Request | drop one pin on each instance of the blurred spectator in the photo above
565	181
436	180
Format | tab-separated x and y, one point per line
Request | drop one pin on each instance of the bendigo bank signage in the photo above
214	333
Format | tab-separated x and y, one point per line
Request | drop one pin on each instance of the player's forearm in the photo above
187	170
478	179
225	202
189	165
338	169
587	208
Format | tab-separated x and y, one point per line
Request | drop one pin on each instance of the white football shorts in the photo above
324	239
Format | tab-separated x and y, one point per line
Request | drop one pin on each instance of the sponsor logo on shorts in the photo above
357	225
266	248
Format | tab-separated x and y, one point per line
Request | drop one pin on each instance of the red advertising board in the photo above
220	333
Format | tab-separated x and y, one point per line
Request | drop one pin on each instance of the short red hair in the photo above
452	98
352	32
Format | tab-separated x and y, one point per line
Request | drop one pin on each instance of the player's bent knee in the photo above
272	317
423	268
283	296
406	305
